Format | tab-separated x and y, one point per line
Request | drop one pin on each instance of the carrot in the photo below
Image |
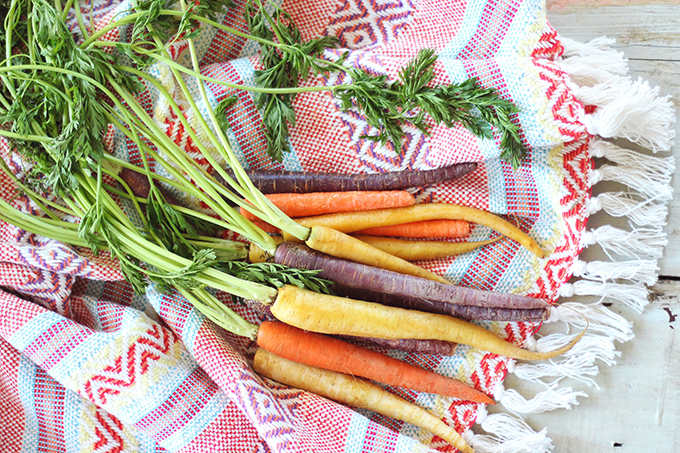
467	312
343	316
266	227
354	392
371	283
442	228
351	222
432	347
319	203
421	250
337	355
282	181
332	242
257	255
140	186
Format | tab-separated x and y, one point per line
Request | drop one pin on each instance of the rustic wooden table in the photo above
637	407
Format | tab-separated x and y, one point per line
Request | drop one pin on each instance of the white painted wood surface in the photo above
637	407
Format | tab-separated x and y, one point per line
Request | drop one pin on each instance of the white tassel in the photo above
508	434
593	62
622	204
600	319
644	271
594	47
633	295
648	184
545	401
638	243
629	109
663	166
578	363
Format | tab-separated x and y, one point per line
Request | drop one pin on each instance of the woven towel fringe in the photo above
507	434
579	363
633	295
552	398
637	243
636	271
629	109
648	175
624	109
591	63
621	204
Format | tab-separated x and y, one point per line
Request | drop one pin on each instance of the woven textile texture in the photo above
87	365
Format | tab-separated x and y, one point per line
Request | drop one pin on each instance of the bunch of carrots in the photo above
322	343
58	98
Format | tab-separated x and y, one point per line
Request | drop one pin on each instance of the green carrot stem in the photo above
204	180
273	215
40	200
253	88
129	19
128	194
65	10
79	17
39	225
31	138
134	244
246	187
221	314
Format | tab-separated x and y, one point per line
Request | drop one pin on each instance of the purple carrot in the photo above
282	181
433	347
140	186
467	312
361	281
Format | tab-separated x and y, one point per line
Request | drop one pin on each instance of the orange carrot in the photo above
319	203
442	228
337	355
266	227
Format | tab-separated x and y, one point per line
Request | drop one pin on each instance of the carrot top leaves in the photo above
387	105
411	100
284	66
278	275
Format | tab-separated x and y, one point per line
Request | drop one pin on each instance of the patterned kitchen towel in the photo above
87	365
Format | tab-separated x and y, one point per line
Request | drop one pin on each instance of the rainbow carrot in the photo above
334	354
283	181
422	250
354	392
319	203
441	228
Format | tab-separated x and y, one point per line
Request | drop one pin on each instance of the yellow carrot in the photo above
421	250
354	392
343	316
351	222
329	241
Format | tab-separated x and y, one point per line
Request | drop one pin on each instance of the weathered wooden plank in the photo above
635	409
